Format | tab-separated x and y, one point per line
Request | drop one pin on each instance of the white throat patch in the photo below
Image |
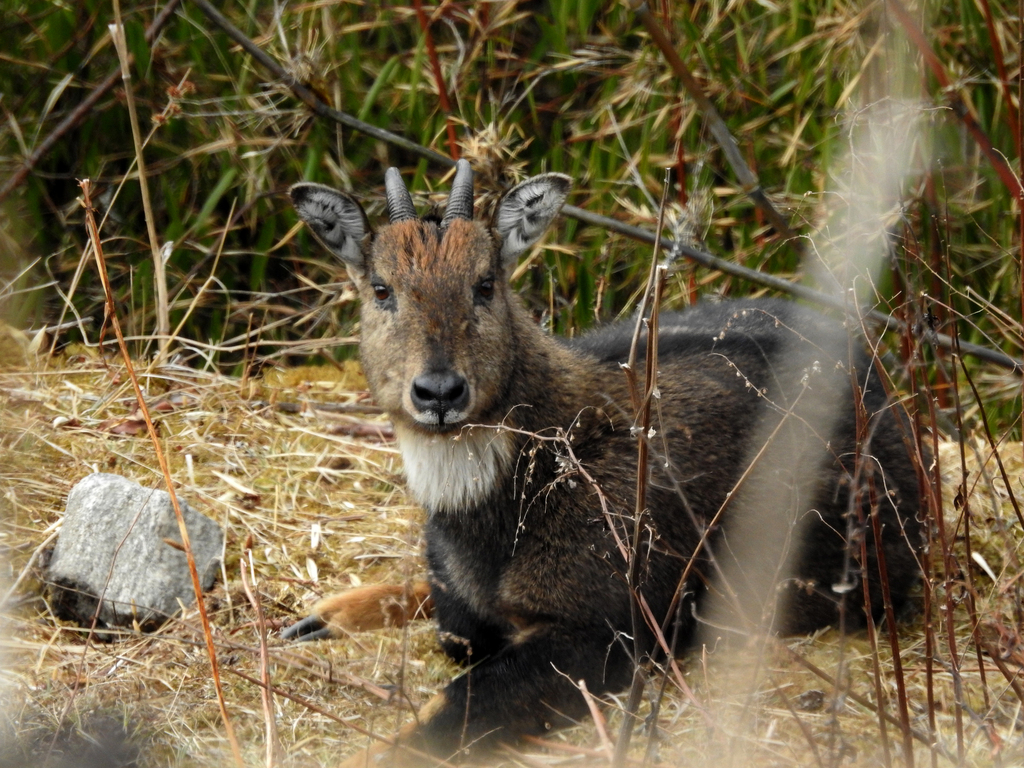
447	473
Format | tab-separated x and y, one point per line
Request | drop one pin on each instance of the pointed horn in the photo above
460	199
400	205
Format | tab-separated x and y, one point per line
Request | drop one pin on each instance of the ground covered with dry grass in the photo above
314	497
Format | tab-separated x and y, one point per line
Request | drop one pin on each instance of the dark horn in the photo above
460	199
400	205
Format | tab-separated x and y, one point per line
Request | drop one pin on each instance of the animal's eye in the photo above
381	292
485	289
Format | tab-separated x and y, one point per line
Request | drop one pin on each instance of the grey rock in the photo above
112	544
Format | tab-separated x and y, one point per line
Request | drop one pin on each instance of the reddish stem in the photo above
956	102
1004	81
435	65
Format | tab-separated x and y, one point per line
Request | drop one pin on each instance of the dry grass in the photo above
272	478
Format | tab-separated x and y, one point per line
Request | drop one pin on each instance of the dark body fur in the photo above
531	580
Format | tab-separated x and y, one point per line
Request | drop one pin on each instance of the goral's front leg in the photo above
527	689
358	610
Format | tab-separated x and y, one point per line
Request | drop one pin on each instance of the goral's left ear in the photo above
336	219
526	211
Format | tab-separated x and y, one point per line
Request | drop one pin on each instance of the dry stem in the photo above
111	312
163	317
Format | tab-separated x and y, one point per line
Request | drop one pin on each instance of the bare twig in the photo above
797	290
307	96
648	316
928	598
630	367
992	444
869	622
595	713
923	738
805	729
948	569
1013	678
972	594
890	620
865	459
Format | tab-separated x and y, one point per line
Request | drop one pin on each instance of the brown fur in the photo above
432	274
376	607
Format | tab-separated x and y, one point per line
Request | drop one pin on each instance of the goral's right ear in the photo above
336	219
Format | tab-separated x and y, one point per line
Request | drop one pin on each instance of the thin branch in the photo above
869	621
599	722
1012	676
992	443
634	392
642	425
805	729
923	738
874	316
890	622
949	572
306	95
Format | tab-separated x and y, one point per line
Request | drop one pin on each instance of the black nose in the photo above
440	393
